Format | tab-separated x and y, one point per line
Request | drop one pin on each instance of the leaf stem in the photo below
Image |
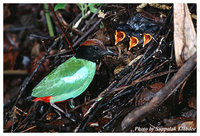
48	18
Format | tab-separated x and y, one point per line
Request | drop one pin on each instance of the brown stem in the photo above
51	8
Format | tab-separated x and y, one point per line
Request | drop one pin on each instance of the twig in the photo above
48	110
28	79
102	96
86	33
140	112
75	20
86	24
30	114
137	66
66	25
41	37
15	72
107	124
170	66
29	129
90	20
26	119
51	8
157	67
142	80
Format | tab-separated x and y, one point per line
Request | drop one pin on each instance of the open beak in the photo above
147	39
133	42
119	36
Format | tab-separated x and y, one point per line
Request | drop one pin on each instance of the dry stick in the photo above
28	79
28	117
90	20
153	18
15	72
87	24
137	66
157	67
51	8
170	65
141	61
101	96
29	129
133	83
60	54
142	80
139	113
153	76
75	20
86	33
67	26
107	124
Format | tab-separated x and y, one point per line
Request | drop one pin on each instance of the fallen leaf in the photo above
184	34
192	103
155	87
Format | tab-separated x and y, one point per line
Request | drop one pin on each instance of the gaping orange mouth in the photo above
119	36
147	39
133	42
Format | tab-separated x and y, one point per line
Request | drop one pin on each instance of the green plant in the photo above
59	6
91	6
48	18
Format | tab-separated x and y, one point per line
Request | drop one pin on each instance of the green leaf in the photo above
83	7
101	25
59	6
92	7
